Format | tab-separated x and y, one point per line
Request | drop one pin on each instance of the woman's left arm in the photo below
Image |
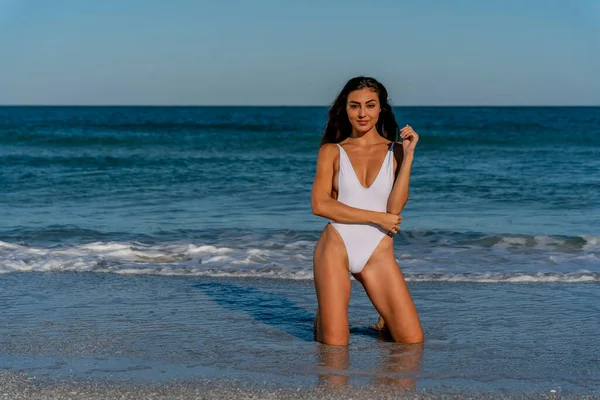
399	195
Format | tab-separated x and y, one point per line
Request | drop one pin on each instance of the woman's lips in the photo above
363	123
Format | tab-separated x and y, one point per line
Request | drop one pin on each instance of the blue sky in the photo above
301	52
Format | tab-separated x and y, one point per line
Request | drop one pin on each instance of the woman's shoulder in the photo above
328	150
329	147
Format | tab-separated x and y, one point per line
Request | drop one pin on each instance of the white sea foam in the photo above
512	241
592	242
474	259
575	277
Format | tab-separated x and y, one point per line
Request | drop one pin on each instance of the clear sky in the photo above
299	52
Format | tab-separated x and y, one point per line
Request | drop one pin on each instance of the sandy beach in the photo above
23	387
178	336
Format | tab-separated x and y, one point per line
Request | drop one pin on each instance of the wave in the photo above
306	133
193	134
287	274
520	277
423	256
143	126
84	133
416	237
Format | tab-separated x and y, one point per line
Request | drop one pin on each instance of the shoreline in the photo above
254	337
23	386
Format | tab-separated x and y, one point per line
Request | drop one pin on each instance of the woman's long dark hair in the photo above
338	126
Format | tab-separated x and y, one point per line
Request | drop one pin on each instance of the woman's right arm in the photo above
325	206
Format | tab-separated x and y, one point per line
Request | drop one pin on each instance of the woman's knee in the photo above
415	337
334	337
331	331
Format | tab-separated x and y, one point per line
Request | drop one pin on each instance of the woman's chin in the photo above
362	129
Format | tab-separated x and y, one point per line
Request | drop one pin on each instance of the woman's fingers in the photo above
394	230
394	226
408	132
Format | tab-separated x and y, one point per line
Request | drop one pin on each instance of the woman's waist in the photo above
366	204
353	227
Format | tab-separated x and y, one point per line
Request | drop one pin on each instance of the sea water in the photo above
504	212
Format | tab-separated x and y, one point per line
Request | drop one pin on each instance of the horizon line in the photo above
293	105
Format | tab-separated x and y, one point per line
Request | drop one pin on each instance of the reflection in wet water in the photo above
336	361
398	367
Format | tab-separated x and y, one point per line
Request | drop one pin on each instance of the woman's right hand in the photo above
390	222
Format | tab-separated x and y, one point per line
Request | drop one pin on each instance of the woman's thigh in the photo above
385	285
332	285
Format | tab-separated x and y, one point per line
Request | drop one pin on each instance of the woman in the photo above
362	196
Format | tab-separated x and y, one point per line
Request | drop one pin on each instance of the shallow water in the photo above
481	337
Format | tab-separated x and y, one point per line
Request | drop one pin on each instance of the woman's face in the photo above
363	109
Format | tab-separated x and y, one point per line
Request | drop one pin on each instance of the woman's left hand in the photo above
409	139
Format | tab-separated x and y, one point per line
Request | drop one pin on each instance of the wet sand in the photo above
19	386
108	336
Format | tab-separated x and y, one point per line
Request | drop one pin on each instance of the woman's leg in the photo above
387	289
332	285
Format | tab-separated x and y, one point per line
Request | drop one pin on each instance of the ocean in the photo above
111	214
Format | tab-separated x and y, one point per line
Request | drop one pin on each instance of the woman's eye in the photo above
371	105
353	106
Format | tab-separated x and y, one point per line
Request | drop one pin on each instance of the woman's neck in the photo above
367	138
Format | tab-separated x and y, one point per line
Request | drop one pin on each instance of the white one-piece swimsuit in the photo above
361	240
